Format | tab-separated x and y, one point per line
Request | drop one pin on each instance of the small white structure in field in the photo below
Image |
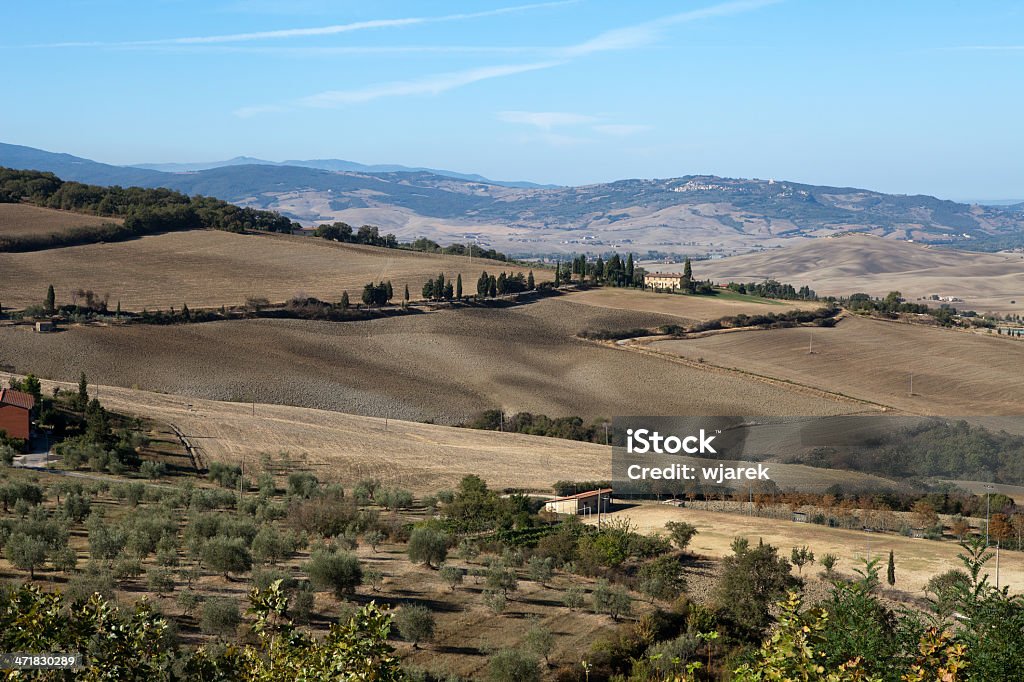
590	502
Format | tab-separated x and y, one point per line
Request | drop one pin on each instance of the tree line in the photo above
371	236
614	272
143	210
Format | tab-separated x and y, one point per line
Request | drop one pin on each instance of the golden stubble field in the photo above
424	458
447	366
20	220
840	266
689	308
917	559
210	268
954	372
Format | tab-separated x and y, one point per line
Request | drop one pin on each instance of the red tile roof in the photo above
9	396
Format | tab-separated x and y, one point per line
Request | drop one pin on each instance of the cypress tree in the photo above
891	572
345	302
530	283
687	275
390	290
558	273
458	287
492	286
630	268
51	300
405	296
83	391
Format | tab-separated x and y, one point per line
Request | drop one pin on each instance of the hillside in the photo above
445	366
859	263
693	214
21	220
421	457
954	373
210	268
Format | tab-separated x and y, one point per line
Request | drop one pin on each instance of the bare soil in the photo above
955	373
446	366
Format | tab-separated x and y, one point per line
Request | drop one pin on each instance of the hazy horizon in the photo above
910	98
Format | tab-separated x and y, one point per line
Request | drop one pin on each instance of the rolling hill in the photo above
862	263
211	268
693	214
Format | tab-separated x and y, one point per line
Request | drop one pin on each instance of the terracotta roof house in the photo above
15	413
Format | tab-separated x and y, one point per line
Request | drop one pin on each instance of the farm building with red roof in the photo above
15	413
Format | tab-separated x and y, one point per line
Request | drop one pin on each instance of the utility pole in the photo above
911	384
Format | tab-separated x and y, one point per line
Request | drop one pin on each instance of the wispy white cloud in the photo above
545	120
648	33
428	85
331	30
340	50
629	37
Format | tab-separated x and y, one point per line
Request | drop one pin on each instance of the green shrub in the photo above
338	572
219	616
415	624
428	546
227	555
513	665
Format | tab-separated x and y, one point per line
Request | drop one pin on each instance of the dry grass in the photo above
21	220
917	560
445	366
954	372
209	268
424	458
845	265
690	308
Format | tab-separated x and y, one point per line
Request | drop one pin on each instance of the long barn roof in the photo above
589	493
8	396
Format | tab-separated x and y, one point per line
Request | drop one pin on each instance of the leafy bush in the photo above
338	572
219	616
513	665
303	484
415	624
428	546
227	555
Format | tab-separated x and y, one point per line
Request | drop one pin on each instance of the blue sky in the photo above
915	97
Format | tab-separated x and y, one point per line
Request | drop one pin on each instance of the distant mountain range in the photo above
694	214
337	165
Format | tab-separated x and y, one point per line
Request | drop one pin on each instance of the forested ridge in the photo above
143	211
